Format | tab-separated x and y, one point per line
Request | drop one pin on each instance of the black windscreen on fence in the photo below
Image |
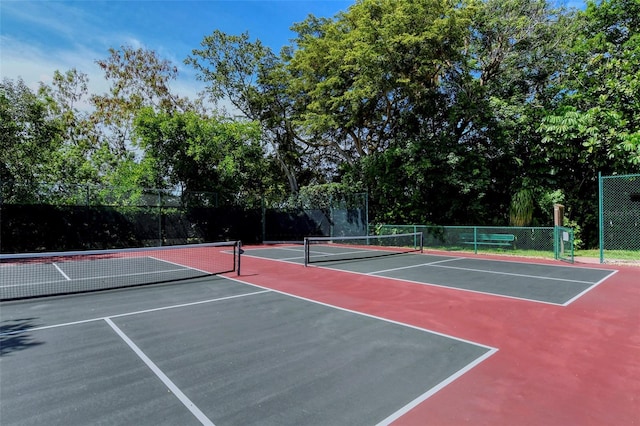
37	227
294	224
61	217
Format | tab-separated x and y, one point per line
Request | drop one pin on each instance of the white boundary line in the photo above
247	253
267	290
394	416
404	280
187	268
431	391
160	374
420	399
586	290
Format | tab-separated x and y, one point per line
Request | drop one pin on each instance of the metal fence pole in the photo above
600	218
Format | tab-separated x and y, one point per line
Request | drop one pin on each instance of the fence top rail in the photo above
621	176
471	226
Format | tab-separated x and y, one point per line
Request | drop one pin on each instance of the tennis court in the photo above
208	350
379	339
546	283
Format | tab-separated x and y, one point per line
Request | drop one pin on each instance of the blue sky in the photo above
39	37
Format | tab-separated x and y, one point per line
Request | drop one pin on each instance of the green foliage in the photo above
522	207
254	80
359	73
471	112
202	154
29	137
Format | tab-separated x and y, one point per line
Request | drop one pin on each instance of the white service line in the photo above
166	380
126	314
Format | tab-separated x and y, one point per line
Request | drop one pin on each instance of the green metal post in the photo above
475	240
601	217
264	218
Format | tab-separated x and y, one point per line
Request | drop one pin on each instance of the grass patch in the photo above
610	254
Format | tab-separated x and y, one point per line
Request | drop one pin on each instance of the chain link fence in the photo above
549	242
619	217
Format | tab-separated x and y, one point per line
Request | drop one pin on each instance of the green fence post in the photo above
264	218
600	218
475	240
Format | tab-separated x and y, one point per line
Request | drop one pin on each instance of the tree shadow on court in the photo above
15	336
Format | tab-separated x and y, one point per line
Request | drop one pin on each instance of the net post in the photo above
421	242
306	252
238	248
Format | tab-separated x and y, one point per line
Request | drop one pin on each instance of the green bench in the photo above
488	239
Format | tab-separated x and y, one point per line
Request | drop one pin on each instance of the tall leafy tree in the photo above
356	75
594	125
139	78
29	137
67	97
202	154
517	49
253	79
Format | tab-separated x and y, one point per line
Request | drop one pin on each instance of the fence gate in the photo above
563	244
619	215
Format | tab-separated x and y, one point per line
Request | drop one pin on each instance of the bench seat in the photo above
488	239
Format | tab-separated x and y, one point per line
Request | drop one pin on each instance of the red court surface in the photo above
556	365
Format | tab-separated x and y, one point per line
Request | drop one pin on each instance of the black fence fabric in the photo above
60	217
42	227
38	227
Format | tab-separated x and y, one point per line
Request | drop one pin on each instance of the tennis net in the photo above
29	275
330	249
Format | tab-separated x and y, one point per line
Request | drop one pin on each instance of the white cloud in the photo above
35	65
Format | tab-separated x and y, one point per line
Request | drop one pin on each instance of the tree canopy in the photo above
452	113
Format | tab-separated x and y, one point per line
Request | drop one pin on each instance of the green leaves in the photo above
202	154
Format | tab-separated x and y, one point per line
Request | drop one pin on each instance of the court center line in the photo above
132	274
437	265
414	266
177	264
515	275
66	277
160	374
289	249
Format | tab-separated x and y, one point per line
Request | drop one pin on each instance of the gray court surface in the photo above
214	351
554	284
